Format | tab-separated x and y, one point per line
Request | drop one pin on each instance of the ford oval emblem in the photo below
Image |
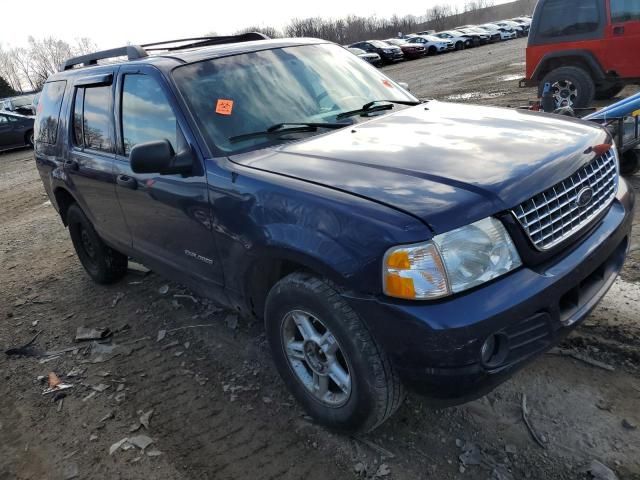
584	197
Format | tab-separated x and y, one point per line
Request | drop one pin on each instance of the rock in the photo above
154	452
93	437
70	471
462	469
161	335
459	443
510	448
140	441
360	468
116	446
266	400
101	387
599	471
383	470
145	418
232	321
471	455
163	290
628	424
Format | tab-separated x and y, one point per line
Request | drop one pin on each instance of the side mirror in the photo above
404	85
159	157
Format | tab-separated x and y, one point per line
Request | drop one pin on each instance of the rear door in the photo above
169	216
6	132
90	158
623	37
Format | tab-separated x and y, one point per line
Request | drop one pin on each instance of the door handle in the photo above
619	30
127	182
72	164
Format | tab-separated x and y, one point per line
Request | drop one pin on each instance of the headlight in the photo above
451	262
388	50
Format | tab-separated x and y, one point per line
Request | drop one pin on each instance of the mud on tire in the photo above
103	264
375	390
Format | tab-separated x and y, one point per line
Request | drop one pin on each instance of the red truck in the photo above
584	49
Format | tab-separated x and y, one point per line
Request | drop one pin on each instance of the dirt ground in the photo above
219	410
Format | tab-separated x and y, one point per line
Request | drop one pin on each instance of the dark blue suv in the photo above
386	242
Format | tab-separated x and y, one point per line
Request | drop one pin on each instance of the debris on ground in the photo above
161	335
582	358
85	333
527	422
163	290
600	471
55	384
26	350
383	470
119	296
101	387
70	471
102	352
141	441
116	446
629	425
471	455
145	418
188	297
153	452
138	268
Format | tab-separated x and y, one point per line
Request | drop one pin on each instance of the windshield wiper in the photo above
372	107
285	128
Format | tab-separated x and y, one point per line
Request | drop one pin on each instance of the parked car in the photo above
426	32
373	58
585	56
433	44
478	37
22	104
520	30
383	241
494	36
388	53
505	33
410	50
15	130
459	39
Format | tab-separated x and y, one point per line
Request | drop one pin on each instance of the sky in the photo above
115	23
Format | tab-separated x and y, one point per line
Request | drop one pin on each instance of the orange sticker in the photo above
387	83
224	107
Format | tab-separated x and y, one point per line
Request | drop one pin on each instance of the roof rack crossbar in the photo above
205	41
132	52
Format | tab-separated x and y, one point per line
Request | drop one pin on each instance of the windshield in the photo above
236	95
22	101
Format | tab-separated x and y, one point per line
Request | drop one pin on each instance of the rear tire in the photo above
571	86
432	50
630	163
608	92
103	264
28	139
367	390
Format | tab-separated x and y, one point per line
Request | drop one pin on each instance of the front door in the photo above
623	37
169	216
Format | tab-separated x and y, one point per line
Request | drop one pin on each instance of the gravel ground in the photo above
219	408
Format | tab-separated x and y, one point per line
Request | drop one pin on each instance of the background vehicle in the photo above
410	50
521	30
583	49
494	36
388	53
459	39
432	44
372	58
22	104
15	130
505	34
479	37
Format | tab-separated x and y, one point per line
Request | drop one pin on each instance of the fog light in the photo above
494	350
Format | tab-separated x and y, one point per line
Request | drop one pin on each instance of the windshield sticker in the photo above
224	106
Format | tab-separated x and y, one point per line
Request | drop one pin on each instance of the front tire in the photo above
608	92
459	46
571	87
328	358
29	139
103	264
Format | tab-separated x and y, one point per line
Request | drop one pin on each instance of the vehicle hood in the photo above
446	164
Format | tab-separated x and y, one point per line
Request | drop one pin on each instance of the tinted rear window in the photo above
561	18
46	126
97	119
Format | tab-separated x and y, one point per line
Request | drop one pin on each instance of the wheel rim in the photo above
87	244
565	93
31	139
316	358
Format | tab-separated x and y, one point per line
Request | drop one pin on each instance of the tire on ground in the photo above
103	264
630	163
459	45
376	391
576	75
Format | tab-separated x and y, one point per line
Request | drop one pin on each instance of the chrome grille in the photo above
554	215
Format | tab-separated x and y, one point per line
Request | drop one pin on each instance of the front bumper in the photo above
435	346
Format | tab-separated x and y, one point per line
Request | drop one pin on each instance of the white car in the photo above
458	39
520	30
432	44
505	34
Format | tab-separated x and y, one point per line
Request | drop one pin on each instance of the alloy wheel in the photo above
316	358
564	93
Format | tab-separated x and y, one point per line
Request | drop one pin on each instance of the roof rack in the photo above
135	52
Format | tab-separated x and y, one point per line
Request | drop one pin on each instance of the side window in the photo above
96	119
625	10
561	18
3	119
46	125
78	102
146	113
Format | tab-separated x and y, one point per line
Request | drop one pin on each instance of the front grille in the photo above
555	214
